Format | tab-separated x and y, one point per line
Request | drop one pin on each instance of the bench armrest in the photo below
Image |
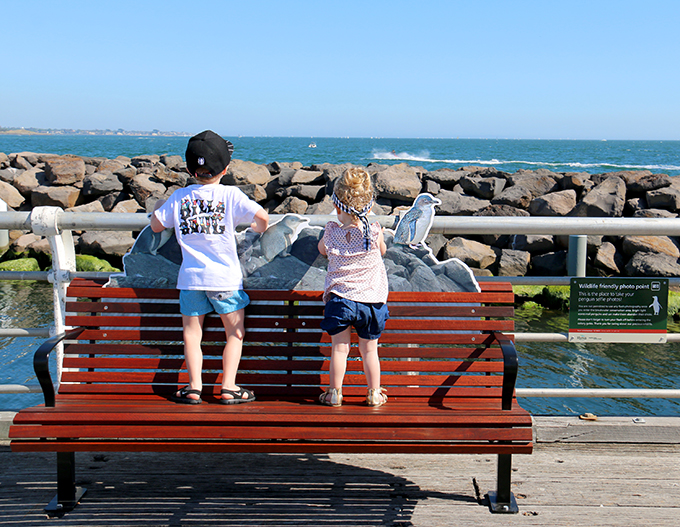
510	366
41	363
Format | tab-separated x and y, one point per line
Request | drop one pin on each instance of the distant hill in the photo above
71	131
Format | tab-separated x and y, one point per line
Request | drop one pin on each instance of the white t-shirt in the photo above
205	218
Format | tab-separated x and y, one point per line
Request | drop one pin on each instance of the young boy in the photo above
205	216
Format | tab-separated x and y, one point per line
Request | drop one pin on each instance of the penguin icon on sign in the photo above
415	224
655	305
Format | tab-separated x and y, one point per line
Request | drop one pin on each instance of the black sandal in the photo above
237	396
182	396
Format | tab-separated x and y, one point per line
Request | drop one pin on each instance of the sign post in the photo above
618	310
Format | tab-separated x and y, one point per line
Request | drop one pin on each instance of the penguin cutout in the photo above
414	225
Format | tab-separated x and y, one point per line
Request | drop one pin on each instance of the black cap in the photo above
210	151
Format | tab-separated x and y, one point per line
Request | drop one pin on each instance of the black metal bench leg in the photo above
503	501
68	495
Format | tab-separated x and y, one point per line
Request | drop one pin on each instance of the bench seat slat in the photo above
283	432
142	411
278	447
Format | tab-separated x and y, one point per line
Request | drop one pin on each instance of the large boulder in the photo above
653	264
110	165
533	243
144	186
10	195
609	259
101	183
63	196
605	200
110	243
470	252
456	204
513	263
518	196
446	177
550	264
245	173
28	180
482	187
554	204
653	244
64	170
664	198
538	184
398	182
645	183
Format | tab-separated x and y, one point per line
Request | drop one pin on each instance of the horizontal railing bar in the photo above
24	275
514	280
442	224
25	332
633	393
20	388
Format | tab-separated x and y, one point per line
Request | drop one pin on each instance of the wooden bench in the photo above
448	369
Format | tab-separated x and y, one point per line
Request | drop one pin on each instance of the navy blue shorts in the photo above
367	319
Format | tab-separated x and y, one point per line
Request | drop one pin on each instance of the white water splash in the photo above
424	157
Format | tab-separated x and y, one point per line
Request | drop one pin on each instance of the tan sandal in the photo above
376	397
331	397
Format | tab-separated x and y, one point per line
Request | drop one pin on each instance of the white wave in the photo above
424	157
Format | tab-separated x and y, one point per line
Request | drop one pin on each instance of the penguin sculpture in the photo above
149	241
279	237
414	225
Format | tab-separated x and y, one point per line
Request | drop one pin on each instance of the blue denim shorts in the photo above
367	319
196	303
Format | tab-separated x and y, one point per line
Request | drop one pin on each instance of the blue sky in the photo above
594	69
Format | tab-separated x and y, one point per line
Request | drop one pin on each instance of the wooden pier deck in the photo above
612	472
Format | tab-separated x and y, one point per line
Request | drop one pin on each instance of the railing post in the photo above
4	233
576	258
45	222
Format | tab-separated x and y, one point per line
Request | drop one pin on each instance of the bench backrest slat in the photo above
435	345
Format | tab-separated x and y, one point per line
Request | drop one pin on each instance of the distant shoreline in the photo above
113	133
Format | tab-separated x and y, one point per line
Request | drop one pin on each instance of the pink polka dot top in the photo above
353	272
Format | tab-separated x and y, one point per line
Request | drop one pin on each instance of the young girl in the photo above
356	285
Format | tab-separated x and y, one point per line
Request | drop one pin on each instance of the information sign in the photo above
618	310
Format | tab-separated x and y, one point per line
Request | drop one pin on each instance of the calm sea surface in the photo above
550	365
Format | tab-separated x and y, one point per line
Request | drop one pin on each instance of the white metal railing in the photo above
57	225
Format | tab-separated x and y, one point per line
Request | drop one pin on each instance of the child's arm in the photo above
322	247
260	221
156	225
381	243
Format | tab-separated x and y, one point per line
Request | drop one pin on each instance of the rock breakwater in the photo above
89	184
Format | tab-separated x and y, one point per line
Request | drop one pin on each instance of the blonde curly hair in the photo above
354	189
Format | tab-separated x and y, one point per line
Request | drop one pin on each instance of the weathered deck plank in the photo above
559	485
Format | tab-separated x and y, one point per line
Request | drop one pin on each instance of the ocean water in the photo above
28	304
508	155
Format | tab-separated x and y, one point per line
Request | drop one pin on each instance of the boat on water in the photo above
312	145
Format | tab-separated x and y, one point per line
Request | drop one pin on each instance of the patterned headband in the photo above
361	214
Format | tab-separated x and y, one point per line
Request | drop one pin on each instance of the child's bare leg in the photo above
371	361
340	345
193	355
231	357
